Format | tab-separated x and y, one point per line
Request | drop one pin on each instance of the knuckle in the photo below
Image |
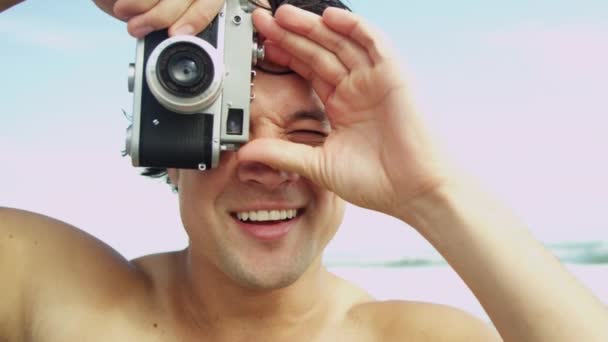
319	58
129	8
340	45
159	20
367	40
151	19
283	38
200	16
315	32
301	69
339	75
118	9
308	74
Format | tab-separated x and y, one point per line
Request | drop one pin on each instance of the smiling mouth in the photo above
267	217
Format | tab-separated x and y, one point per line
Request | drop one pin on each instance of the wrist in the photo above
432	209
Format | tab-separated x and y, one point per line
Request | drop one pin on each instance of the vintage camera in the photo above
192	93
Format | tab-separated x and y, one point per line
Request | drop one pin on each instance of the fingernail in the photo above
141	32
184	30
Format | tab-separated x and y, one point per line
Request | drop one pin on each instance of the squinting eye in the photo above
308	137
311	132
274	69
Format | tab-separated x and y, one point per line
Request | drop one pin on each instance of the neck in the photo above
216	303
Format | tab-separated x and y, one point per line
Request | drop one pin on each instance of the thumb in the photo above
302	159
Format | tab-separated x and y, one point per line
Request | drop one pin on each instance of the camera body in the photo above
191	94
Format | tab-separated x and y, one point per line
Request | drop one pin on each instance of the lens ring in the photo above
192	59
179	103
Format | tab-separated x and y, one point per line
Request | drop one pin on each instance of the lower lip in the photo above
267	232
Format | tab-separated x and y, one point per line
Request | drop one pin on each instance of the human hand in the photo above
6	4
379	154
180	16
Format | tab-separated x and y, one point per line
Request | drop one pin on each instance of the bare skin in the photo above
226	286
230	286
75	288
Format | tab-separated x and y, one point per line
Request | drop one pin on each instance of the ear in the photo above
173	176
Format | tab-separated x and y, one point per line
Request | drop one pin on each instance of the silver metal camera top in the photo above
179	104
133	133
239	58
247	6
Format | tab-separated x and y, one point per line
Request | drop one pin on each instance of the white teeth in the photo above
267	215
263	215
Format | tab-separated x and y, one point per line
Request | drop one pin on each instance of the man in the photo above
342	128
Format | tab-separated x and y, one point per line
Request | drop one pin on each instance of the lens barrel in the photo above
185	74
185	69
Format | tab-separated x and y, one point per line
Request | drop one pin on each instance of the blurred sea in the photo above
579	253
440	284
426	277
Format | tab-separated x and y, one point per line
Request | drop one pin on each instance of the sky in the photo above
515	90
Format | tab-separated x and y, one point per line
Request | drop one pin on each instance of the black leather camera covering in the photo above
176	140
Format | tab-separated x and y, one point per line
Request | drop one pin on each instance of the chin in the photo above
257	282
262	274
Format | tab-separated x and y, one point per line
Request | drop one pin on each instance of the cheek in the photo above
328	212
200	190
198	196
193	183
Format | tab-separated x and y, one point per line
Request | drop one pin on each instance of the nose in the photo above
262	175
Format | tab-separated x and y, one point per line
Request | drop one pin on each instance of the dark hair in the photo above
314	6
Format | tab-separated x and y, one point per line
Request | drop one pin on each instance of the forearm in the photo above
6	4
524	289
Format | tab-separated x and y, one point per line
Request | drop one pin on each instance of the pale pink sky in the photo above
521	105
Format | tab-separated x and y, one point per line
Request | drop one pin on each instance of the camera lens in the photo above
185	69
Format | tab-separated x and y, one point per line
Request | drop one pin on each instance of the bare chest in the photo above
103	328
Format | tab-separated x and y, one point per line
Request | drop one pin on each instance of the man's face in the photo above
262	254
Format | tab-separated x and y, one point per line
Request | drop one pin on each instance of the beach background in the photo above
440	284
516	92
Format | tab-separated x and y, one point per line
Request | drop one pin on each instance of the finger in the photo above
161	16
311	26
302	159
198	16
280	57
323	89
353	26
126	9
323	62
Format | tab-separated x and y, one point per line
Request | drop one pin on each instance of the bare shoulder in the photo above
41	241
60	257
399	320
56	267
